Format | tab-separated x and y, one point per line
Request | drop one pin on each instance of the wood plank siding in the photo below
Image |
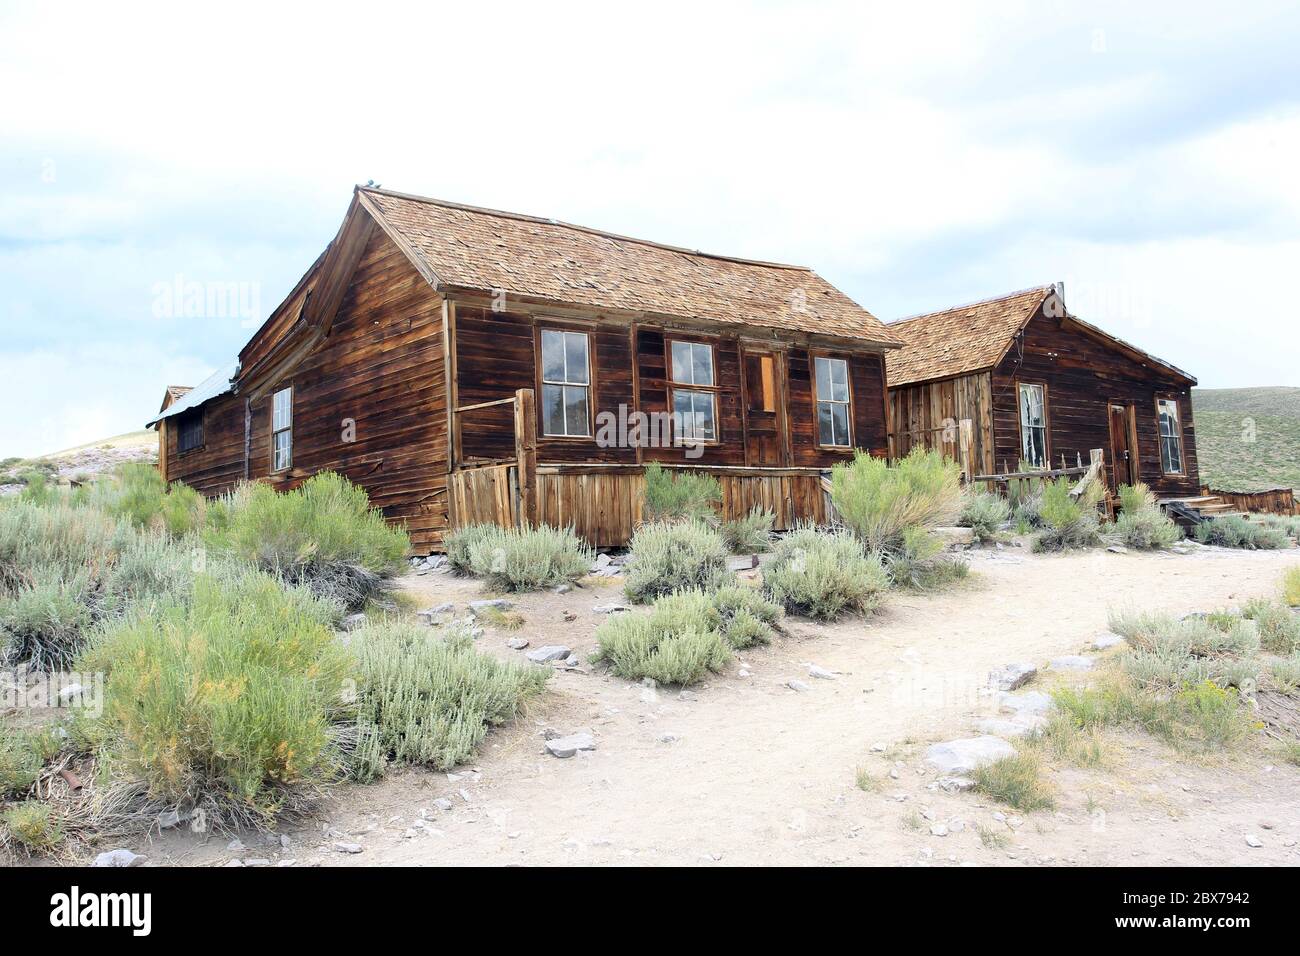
928	414
1083	377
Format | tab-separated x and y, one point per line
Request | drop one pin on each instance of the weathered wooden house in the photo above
1040	386
466	365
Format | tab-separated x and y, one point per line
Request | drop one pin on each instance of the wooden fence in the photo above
1279	501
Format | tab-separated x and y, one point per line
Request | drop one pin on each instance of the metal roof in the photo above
215	385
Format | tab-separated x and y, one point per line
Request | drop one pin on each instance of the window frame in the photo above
1047	420
180	431
1161	436
541	382
275	431
817	402
675	386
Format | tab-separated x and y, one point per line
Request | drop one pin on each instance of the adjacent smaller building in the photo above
1041	385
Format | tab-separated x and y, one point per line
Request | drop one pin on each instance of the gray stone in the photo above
353	621
939	830
430	614
562	588
1073	662
442	803
820	672
256	861
960	757
119	858
601	563
1013	676
548	653
1009	728
956	784
797	686
172	818
570	745
1025	703
1117	549
1253	841
572	661
495	604
610	609
517	643
1107	640
349	847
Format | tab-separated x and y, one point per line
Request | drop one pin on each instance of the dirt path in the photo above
744	770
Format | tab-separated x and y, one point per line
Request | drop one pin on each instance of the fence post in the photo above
966	439
526	455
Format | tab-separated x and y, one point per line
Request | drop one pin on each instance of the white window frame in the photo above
568	381
1171	409
281	425
829	363
1027	427
686	431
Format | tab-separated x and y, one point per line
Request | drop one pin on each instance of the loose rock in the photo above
1013	676
548	653
610	609
570	745
1106	640
348	847
119	858
1073	662
798	686
960	757
517	643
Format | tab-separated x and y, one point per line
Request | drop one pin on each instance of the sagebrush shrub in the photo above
751	534
686	635
1291	587
824	574
1234	531
428	698
226	703
457	544
323	535
1068	523
33	825
22	755
985	514
1279	626
529	559
686	495
136	492
882	502
1142	524
1286	674
668	557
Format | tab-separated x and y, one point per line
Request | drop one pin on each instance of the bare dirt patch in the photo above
744	770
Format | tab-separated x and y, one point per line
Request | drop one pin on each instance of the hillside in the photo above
1248	438
82	462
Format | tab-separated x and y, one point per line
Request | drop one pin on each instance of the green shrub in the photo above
323	535
824	574
919	564
1016	781
1234	531
136	492
38	489
984	514
686	496
1279	626
1141	524
529	559
1291	587
225	704
22	755
1286	674
428	699
1069	524
33	826
673	557
459	542
881	503
686	635
751	534
45	623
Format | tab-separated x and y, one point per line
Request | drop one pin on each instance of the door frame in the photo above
778	354
1135	460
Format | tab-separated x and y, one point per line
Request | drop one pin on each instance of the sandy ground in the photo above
743	770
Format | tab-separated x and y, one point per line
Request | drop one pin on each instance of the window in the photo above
832	376
566	381
1171	436
282	429
695	406
1033	425
189	431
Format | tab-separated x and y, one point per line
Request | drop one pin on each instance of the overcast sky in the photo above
917	156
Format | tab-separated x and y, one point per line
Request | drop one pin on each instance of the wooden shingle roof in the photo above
962	340
482	250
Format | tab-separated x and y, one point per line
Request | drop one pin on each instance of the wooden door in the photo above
1123	455
763	386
